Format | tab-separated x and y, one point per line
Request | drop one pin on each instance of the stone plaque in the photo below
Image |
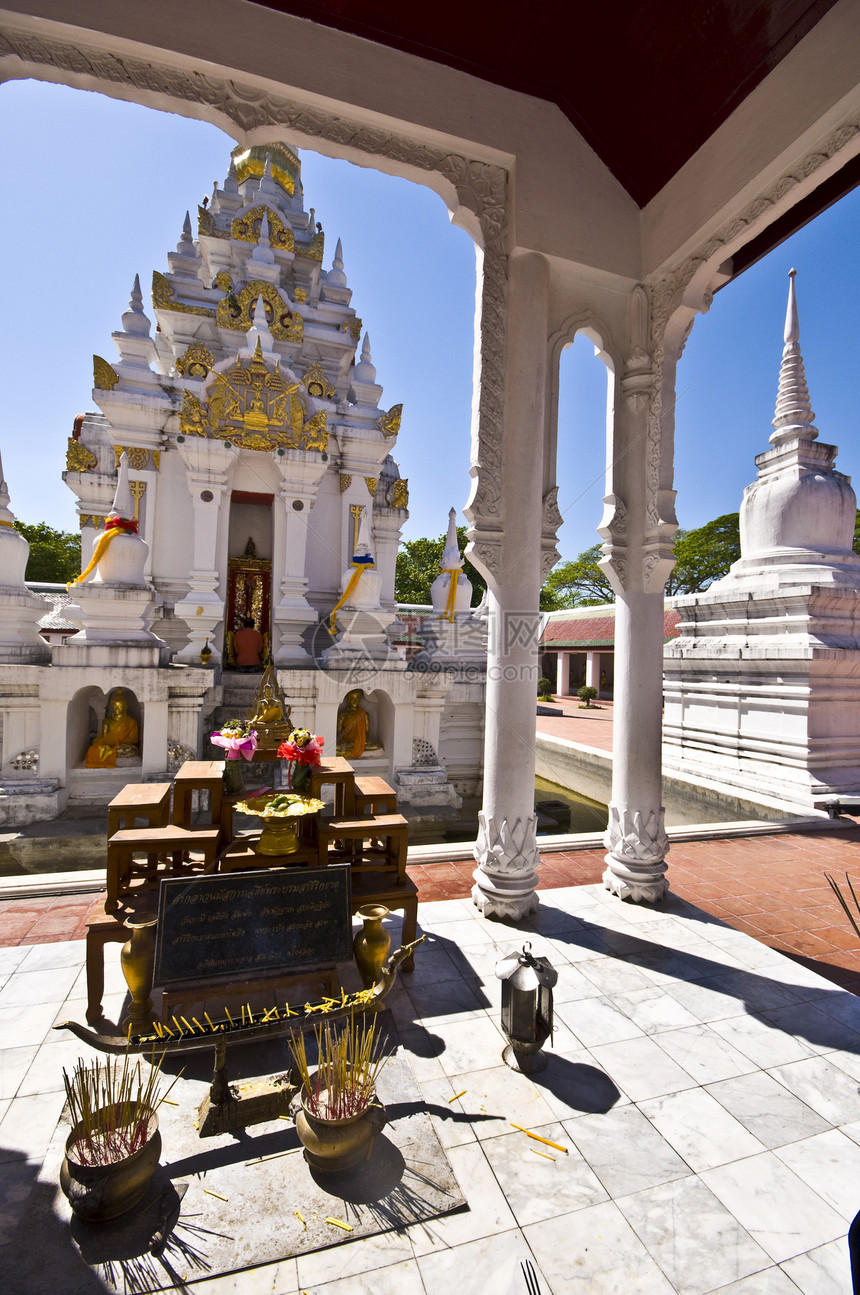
252	924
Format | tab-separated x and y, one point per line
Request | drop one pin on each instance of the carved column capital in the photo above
638	845
507	855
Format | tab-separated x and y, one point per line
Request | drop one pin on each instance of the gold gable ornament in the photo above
79	458
246	229
235	310
164	298
105	376
317	384
389	424
195	362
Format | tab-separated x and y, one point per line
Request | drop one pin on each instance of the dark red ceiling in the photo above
645	83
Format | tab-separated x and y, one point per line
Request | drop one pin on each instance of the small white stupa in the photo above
20	640
761	686
453	634
115	601
359	620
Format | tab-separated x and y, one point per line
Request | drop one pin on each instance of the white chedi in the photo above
366	591
451	569
124	559
20	640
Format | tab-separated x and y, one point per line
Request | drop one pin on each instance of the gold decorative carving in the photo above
389	424
78	457
254	166
398	495
205	222
355	511
91	519
138	490
345	482
315	432
370	482
246	229
352	326
317	384
301	295
317	248
255	408
163	298
138	456
223	281
195	362
235	311
105	376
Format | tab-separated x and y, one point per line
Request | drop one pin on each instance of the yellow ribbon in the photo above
448	613
7	523
345	596
98	553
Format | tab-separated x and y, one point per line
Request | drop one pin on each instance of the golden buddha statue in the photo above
119	736
353	727
270	714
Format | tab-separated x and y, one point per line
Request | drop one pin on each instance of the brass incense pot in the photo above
280	814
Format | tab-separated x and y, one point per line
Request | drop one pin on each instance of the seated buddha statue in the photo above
119	736
353	727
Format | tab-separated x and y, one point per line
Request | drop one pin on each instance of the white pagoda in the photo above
258	484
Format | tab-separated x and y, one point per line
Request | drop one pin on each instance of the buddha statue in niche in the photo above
353	727
119	736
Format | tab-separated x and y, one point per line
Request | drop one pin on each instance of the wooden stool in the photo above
198	775
340	772
392	829
147	800
376	888
106	928
154	842
375	795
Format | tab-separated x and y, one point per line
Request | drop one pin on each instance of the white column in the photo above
562	672
510	555
637	529
302	471
209	465
592	669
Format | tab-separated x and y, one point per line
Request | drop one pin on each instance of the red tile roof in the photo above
582	630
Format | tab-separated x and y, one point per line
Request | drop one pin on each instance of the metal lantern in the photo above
527	984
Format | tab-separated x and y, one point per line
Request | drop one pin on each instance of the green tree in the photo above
418	566
579	582
55	556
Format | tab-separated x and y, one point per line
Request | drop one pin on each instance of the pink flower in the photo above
236	747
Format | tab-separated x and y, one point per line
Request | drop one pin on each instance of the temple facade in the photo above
240	470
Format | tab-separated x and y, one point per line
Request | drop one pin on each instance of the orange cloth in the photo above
123	730
249	645
352	733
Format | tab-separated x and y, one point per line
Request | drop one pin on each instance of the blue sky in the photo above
96	191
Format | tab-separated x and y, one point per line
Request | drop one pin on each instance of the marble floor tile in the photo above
642	1068
537	1187
573	1084
473	1044
453	1122
353	1258
14	1064
444	911
488	1213
75	1009
653	1010
703	999
768	1110
824	1271
11	959
755	990
265	1280
613	977
594	1252
698	1244
32	988
843	1006
423	1049
396	1279
823	1086
820	1031
22	1025
449	1000
491	1266
702	1131
781	1213
47	957
597	1020
625	1151
45	1074
830	1164
16	1182
771	1281
28	1126
761	1039
704	1054
497	1096
577	946
572	985
467	932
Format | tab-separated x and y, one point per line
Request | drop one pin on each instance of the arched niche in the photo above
86	714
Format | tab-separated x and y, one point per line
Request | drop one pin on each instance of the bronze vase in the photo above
332	1146
138	960
97	1193
371	944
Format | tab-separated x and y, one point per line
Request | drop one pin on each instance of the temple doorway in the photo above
249	570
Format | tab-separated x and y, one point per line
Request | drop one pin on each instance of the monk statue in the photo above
353	727
119	736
